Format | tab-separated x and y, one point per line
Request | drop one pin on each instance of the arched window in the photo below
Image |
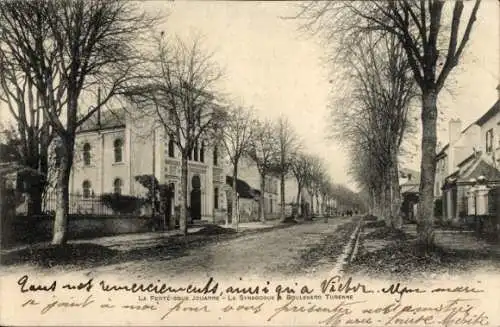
171	152
118	149
215	156
117	186
202	152
86	186
86	154
216	198
195	151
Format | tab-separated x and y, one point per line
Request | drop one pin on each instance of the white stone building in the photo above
112	149
470	153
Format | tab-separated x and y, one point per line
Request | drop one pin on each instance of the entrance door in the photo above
196	198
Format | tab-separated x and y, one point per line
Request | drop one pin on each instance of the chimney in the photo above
455	129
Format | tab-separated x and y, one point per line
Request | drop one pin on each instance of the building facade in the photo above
112	150
248	187
470	154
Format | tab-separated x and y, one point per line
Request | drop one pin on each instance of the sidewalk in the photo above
456	240
148	239
396	253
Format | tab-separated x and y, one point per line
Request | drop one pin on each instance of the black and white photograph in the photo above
250	163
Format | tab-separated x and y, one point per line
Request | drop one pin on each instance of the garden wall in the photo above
27	230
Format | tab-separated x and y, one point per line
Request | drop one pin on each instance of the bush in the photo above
125	204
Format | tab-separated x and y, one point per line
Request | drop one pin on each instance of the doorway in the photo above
195	198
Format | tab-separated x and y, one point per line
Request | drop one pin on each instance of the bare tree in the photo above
301	168
382	91
316	179
262	150
287	146
68	49
180	94
32	129
237	136
433	45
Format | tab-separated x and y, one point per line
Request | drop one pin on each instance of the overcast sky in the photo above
272	67
276	69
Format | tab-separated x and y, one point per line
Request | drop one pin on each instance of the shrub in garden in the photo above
124	204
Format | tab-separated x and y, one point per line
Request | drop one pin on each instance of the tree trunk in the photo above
262	213
318	207
298	210
312	205
385	204
396	219
282	188
183	221
167	200
235	212
427	168
371	208
62	194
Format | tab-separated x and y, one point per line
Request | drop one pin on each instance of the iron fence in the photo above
95	205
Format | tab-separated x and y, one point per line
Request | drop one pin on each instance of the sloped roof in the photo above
243	189
109	119
443	150
468	159
474	167
492	112
482	168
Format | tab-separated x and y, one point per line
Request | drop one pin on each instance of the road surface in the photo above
304	249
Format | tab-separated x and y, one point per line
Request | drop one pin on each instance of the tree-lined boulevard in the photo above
63	62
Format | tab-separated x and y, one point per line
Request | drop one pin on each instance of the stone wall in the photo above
28	230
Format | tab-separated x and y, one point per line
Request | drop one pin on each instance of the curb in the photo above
355	249
350	250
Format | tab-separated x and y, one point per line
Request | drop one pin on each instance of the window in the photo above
118	149
215	156
216	198
86	154
86	189
196	152
171	152
202	152
117	186
489	140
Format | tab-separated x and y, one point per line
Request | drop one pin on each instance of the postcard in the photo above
253	163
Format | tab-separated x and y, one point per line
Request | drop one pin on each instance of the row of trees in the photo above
276	150
62	61
375	118
431	35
